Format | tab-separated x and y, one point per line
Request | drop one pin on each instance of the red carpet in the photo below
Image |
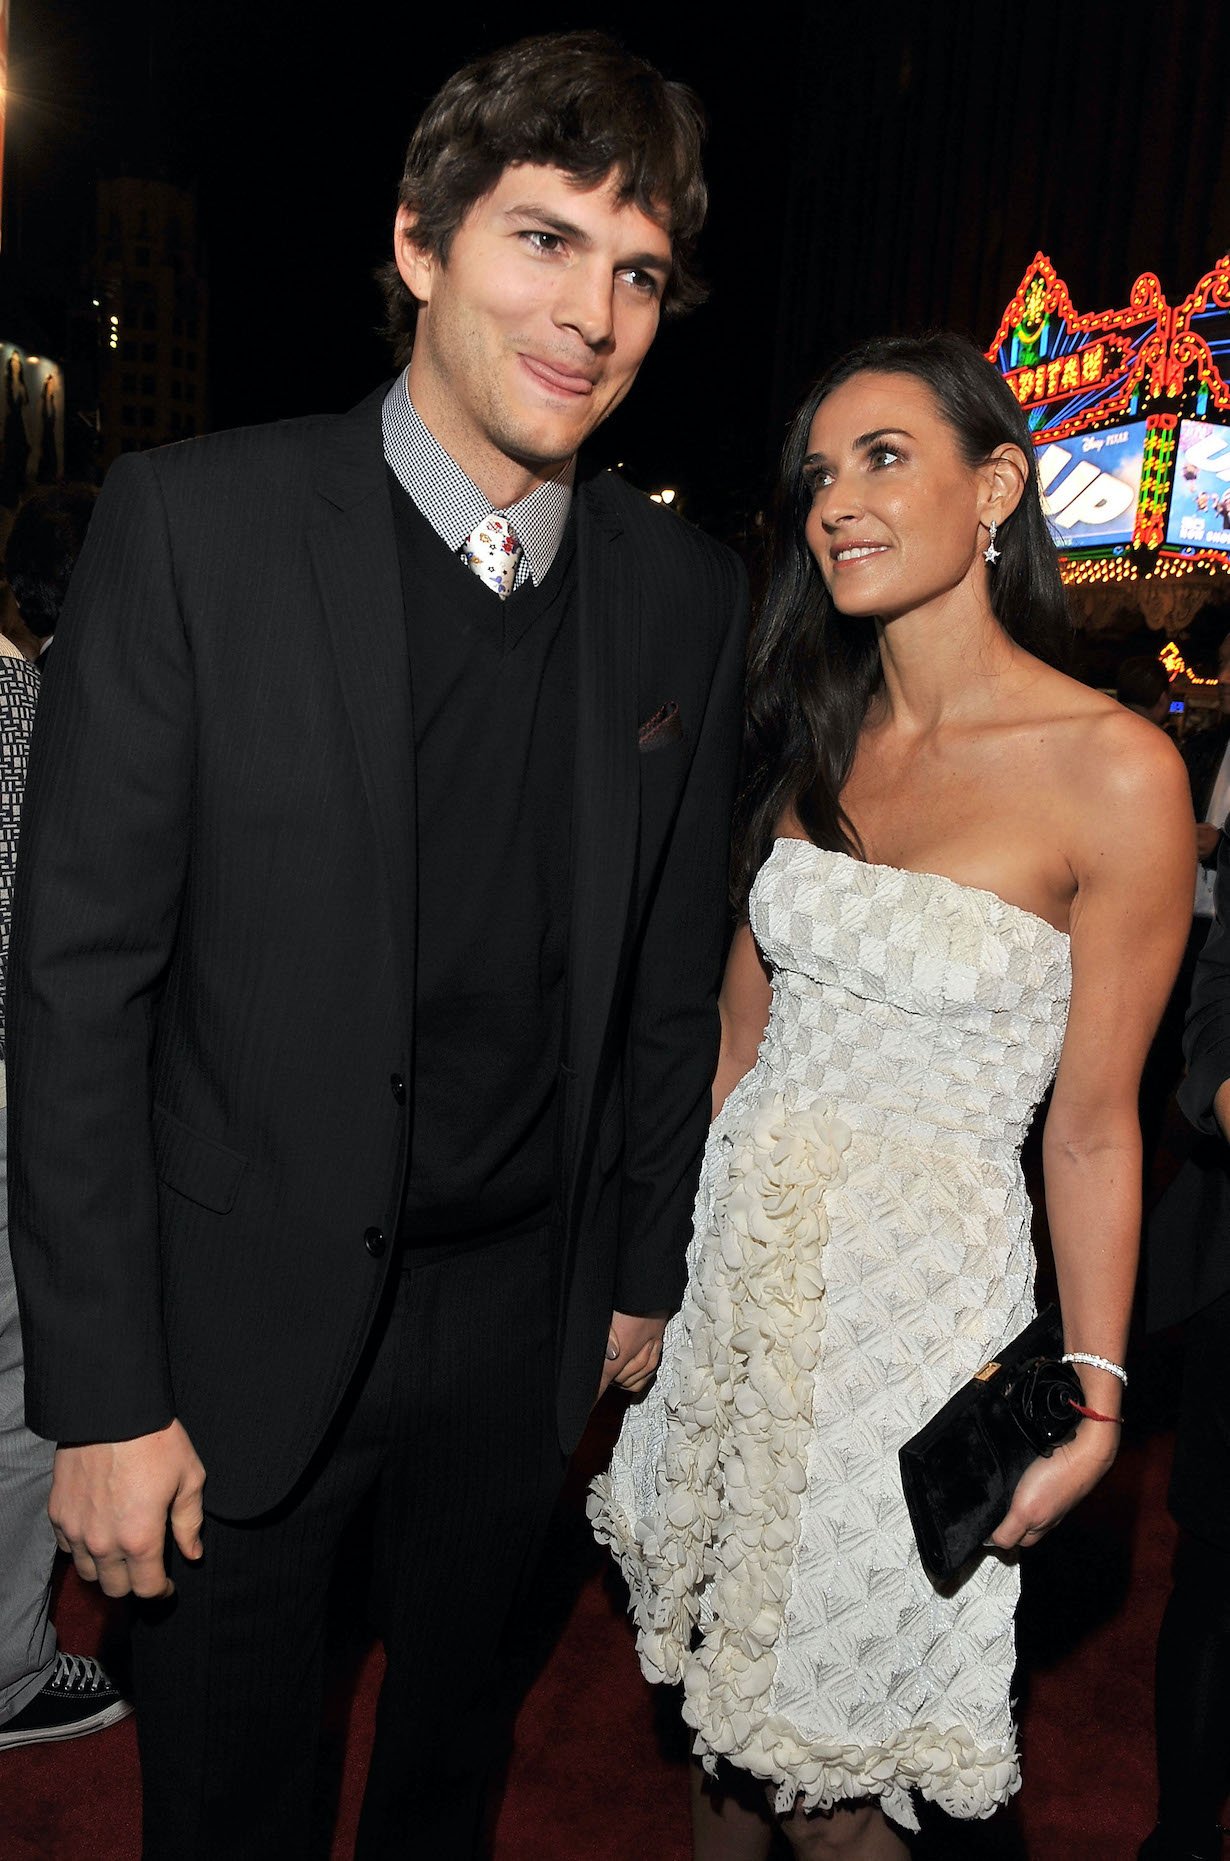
598	1772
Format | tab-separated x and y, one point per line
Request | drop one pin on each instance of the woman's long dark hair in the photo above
811	670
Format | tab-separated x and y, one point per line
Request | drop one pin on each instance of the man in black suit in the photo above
1208	774
369	924
1188	1265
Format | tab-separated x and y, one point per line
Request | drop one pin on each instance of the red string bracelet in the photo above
1092	1415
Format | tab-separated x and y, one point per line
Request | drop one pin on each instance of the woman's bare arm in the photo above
743	1006
1132	851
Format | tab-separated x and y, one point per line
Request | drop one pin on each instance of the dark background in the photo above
872	167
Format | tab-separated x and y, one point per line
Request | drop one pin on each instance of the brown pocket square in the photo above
665	726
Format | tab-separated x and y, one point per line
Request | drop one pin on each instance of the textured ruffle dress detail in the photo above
861	1247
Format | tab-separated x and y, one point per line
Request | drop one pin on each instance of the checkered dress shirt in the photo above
453	504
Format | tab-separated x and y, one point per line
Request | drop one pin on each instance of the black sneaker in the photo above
79	1698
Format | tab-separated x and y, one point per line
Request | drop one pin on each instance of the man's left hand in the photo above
633	1352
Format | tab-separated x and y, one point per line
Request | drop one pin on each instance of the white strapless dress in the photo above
861	1246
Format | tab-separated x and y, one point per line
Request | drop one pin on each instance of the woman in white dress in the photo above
968	875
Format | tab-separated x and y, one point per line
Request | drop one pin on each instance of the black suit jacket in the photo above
1187	1259
210	1010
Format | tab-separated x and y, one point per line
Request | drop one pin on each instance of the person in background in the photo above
45	1694
1189	1284
42	547
1207	756
1143	685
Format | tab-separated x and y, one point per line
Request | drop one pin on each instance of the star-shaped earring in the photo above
990	553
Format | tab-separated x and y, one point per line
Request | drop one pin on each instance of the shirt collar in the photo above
452	503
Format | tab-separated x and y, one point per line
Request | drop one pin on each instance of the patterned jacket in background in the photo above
19	684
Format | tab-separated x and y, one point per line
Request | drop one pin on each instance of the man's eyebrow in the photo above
549	219
547	216
648	261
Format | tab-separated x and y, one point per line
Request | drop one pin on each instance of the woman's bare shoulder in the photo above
1101	746
1057	694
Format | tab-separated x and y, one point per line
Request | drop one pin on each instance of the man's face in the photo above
533	330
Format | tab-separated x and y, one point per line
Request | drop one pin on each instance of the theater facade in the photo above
1130	414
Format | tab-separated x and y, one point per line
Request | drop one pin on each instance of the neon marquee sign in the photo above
1130	414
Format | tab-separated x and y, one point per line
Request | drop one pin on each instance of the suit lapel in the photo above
606	796
354	553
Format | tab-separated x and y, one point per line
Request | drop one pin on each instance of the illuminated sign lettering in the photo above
1065	375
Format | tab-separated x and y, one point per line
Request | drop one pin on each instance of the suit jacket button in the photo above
397	1086
374	1242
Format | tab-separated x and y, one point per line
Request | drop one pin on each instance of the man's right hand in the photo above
1206	839
109	1505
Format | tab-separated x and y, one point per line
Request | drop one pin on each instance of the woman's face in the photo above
894	519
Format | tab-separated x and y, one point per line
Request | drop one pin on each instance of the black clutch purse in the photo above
959	1472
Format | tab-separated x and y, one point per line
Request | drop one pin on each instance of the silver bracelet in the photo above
1096	1363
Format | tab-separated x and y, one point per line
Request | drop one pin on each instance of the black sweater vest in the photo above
493	686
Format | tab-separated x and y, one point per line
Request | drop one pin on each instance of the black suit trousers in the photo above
448	1434
1200	1480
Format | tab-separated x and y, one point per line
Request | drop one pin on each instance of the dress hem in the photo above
945	1766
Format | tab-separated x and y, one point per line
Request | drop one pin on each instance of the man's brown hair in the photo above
571	100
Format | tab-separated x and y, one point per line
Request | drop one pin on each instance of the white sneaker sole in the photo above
58	1734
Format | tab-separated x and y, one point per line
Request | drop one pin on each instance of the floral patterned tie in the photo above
493	552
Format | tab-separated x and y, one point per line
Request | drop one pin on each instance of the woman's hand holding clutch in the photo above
1048	1490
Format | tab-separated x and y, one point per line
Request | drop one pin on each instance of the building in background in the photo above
152	306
